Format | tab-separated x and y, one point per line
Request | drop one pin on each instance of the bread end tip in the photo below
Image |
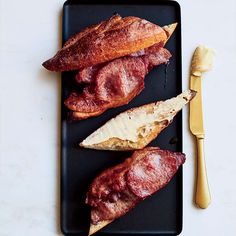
81	144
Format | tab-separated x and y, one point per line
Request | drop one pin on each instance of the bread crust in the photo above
106	41
94	228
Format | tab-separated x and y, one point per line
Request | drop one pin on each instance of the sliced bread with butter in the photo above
137	127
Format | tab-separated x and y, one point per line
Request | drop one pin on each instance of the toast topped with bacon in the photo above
112	58
120	188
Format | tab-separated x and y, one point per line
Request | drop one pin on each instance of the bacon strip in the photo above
88	74
114	83
118	189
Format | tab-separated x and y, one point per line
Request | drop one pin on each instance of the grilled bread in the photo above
110	39
137	127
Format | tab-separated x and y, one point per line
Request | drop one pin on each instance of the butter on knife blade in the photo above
202	61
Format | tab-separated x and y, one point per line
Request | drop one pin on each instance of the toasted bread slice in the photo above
137	127
94	228
110	39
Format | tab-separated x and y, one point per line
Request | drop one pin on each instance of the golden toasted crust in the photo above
108	40
105	25
94	228
113	22
74	115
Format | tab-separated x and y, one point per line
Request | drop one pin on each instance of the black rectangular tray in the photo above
160	214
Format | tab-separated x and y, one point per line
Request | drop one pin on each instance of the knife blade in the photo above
196	112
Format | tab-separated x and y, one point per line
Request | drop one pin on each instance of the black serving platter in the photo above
160	214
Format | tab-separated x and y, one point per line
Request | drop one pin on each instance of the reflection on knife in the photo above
201	62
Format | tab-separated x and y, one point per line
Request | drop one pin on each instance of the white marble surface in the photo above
29	107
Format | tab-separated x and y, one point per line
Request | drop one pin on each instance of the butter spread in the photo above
202	60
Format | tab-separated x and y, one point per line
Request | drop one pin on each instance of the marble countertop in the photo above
30	32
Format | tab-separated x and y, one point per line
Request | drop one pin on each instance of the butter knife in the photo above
201	62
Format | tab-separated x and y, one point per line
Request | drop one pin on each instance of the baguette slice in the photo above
110	39
137	127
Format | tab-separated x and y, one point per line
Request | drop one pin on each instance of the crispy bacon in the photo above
114	83
118	189
88	74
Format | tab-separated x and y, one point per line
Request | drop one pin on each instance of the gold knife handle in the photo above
203	197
